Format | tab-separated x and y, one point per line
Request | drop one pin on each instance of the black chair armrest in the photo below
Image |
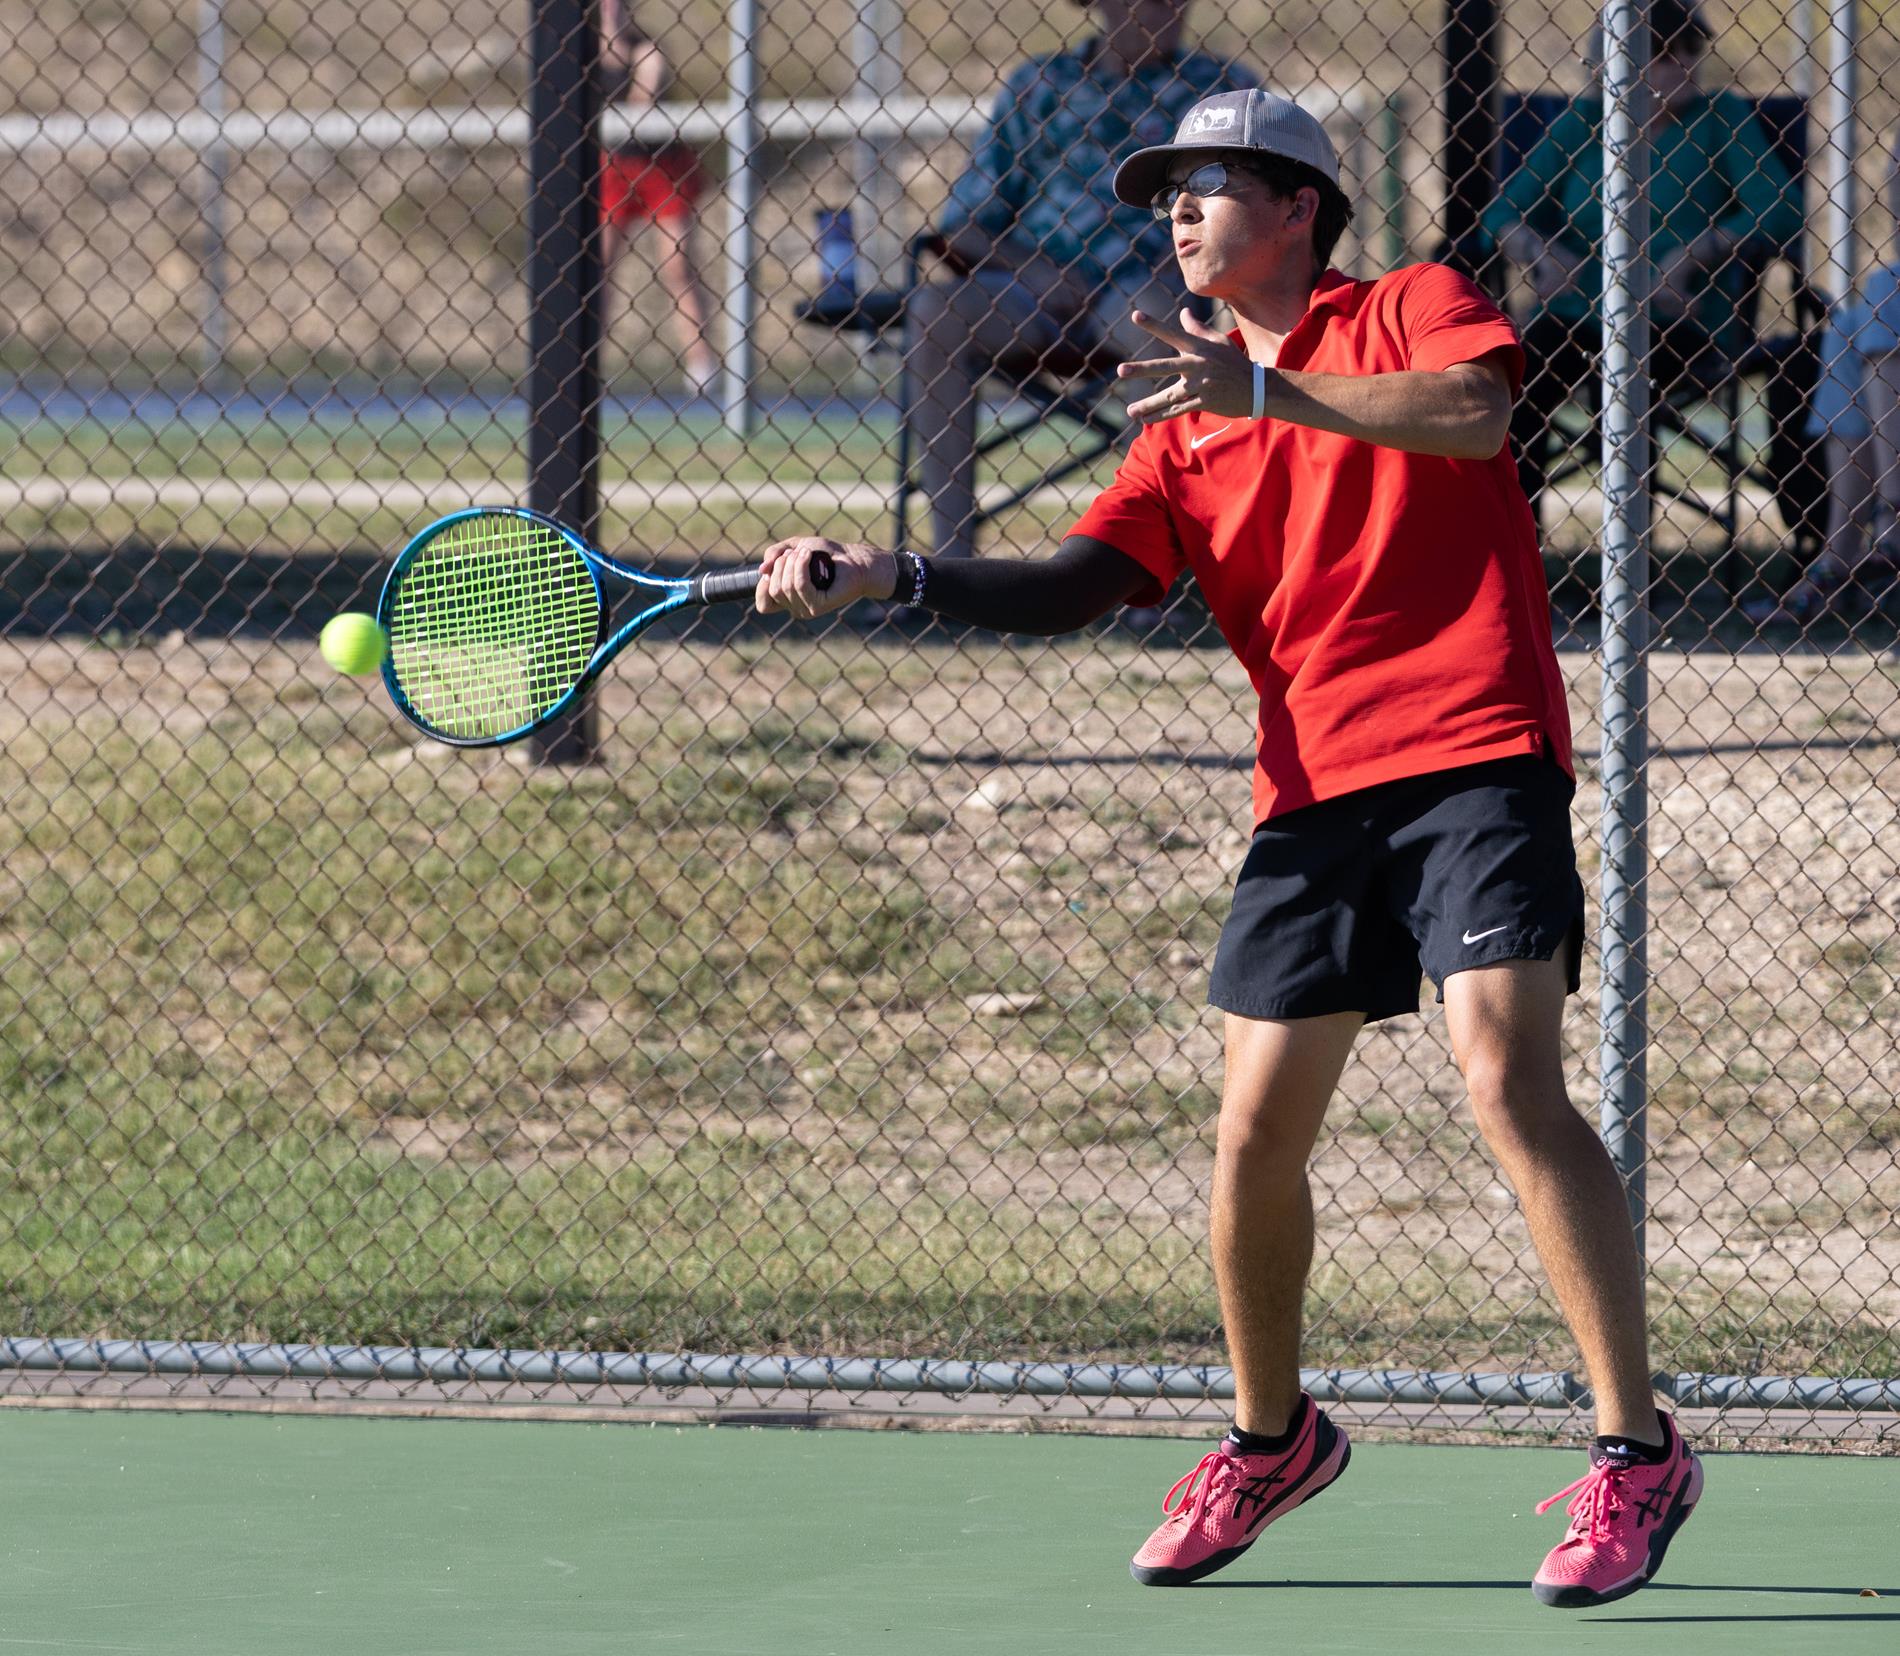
881	308
867	313
929	241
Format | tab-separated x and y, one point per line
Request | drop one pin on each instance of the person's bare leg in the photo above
1280	1076
1505	1023
613	242
1882	391
679	275
955	331
1850	483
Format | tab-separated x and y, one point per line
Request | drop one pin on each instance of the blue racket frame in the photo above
672	593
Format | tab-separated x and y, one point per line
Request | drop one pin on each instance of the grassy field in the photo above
853	1003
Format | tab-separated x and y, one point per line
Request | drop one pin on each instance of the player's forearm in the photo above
1449	414
1083	581
1086	578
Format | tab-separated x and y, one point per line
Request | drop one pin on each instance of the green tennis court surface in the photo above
209	1533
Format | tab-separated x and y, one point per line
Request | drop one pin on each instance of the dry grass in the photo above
855	1000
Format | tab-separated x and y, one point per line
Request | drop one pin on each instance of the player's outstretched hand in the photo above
1213	374
786	584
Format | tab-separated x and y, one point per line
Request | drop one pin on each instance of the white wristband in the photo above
1259	391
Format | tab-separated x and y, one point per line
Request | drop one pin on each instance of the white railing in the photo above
475	127
782	120
212	136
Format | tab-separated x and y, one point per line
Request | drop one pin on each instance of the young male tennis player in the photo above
1335	475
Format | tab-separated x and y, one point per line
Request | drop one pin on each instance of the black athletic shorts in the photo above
1339	905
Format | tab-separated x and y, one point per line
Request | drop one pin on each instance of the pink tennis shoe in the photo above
1219	1510
1623	1515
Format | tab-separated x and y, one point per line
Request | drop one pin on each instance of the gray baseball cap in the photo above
1252	120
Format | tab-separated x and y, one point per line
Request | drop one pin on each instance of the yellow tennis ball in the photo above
353	643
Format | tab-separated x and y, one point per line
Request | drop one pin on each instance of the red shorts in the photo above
660	187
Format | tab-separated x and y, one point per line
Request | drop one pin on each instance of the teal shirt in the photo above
1042	173
1711	167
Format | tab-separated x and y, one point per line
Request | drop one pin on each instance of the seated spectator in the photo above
1857	415
1038	256
1721	204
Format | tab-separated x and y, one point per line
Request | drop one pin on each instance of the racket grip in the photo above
728	584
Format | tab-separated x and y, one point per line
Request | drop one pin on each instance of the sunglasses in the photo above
1212	178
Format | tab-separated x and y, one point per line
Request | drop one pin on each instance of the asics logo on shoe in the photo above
1650	1506
1254	1493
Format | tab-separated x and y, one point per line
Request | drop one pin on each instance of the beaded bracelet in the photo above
918	570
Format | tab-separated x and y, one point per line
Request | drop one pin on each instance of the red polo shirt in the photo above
1391	608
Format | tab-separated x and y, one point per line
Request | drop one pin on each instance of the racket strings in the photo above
492	624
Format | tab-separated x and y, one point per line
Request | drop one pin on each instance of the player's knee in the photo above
1489	1074
1266	1137
1515	1102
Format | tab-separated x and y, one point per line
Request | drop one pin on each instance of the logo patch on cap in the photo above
1207	120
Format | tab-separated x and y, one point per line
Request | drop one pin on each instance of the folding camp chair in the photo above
1063	384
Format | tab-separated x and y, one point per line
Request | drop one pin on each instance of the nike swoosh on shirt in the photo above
1479	937
1195	442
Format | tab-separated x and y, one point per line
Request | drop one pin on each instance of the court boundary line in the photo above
359	498
92	493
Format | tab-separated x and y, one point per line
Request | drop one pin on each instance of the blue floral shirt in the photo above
1042	173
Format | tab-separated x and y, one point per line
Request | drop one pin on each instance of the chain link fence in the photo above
841	1021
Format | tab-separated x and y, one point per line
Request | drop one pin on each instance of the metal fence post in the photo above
217	161
564	299
877	46
1626	463
1470	55
1837	152
742	190
1389	180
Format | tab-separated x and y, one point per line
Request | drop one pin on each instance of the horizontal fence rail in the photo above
672	1371
916	120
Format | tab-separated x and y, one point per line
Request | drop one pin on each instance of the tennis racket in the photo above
497	622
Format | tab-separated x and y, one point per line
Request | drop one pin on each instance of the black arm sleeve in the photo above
1085	578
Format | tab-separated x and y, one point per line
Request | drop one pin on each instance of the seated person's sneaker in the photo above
1219	1509
1623	1514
